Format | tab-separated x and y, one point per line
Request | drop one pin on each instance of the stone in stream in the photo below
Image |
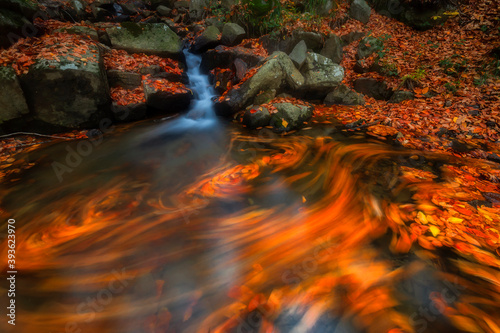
153	38
373	88
360	11
207	40
256	116
232	34
290	116
321	75
127	80
333	49
11	96
277	72
130	112
68	92
342	95
166	97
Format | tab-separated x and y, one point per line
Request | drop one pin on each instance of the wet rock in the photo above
321	75
256	116
81	31
360	11
367	46
400	96
166	101
333	49
232	34
207	40
240	68
163	10
127	80
342	95
224	56
11	96
277	72
351	37
68	93
153	38
298	54
290	117
264	97
373	88
130	112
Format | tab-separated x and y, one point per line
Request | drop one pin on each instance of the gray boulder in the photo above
149	38
368	46
163	10
373	88
127	80
333	49
80	30
207	40
256	116
342	95
286	43
277	72
68	93
360	11
321	75
11	96
166	100
224	56
401	95
196	8
264	97
298	54
232	34
290	117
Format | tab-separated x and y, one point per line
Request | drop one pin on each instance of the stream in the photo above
193	224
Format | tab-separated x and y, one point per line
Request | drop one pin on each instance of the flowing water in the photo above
194	225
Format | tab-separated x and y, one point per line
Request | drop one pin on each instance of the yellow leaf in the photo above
455	220
422	218
465	324
455	13
284	122
434	230
304	199
455	119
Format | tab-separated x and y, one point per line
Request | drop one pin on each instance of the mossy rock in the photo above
11	96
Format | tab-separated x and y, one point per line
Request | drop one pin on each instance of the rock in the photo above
26	8
286	43
400	96
351	37
184	4
264	97
333	49
130	112
11	96
224	56
342	95
313	40
232	34
81	31
323	7
221	80
290	117
360	11
215	21
154	38
321	75
127	80
78	8
197	8
256	116
166	100
11	26
163	10
298	54
373	88
207	40
68	93
240	68
277	72
367	46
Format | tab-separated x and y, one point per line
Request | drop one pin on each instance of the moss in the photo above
133	28
7	73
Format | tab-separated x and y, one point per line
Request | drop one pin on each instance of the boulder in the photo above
256	116
342	95
351	37
373	88
240	69
11	96
360	11
207	40
197	8
286	43
11	26
321	75
224	56
163	96
277	72
298	54
127	80
333	49
264	97
400	96
368	46
152	38
232	34
26	8
290	117
163	10
129	112
81	31
68	93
